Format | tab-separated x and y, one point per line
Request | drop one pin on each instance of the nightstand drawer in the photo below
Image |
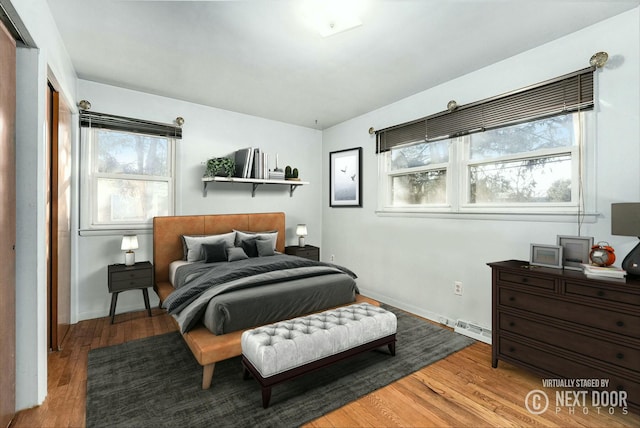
128	275
129	284
307	252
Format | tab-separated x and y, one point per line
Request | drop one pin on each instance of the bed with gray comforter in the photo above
231	296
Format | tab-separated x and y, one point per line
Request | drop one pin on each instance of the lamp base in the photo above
301	241
631	262
129	258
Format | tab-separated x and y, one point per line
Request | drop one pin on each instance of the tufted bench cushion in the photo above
280	351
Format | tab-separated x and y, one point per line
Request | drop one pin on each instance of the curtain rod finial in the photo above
372	131
598	59
84	105
179	121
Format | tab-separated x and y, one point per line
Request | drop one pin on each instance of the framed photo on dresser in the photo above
575	250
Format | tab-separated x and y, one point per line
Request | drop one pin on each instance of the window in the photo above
521	152
128	177
534	166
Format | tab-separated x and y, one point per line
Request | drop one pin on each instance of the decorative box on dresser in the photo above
560	324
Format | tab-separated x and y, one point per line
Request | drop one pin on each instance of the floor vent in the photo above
473	330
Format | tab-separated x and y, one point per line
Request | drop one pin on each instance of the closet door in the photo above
7	227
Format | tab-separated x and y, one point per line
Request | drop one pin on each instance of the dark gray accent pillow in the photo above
249	246
236	253
214	252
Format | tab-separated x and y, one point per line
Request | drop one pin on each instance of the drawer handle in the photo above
525	279
512	324
620	355
600	293
512	299
620	388
512	349
620	324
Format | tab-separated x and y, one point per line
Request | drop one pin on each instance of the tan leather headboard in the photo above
167	244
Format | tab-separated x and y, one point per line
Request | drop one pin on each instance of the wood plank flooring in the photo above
461	390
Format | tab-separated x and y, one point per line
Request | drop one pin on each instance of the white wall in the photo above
207	132
34	66
412	262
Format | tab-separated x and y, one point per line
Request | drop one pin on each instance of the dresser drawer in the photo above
526	280
604	319
603	292
609	352
566	368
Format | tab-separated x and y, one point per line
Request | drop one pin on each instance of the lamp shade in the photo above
129	242
625	219
301	230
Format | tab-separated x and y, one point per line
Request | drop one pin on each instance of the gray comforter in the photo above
203	282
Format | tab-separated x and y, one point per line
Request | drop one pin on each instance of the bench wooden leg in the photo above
266	396
207	375
392	349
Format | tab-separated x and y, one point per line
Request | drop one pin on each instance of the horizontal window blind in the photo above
120	123
562	95
411	132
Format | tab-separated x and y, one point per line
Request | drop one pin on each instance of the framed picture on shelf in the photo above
546	255
575	250
345	181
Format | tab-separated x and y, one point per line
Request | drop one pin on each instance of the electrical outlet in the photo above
333	258
457	288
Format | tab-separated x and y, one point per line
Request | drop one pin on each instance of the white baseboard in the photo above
473	330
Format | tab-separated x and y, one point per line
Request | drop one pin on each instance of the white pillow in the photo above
194	244
271	235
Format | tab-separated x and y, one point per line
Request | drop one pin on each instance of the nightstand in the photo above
124	278
308	252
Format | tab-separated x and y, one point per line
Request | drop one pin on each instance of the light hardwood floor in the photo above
461	390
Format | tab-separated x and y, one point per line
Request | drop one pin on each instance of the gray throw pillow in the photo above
236	253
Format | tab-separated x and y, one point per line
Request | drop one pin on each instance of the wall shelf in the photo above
255	182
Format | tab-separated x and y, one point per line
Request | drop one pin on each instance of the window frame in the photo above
90	177
458	182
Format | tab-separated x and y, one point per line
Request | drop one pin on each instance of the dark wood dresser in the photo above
561	324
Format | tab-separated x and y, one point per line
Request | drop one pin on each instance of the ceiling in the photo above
263	58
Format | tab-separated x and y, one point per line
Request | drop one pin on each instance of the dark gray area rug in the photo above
156	382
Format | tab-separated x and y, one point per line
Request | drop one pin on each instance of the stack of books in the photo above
251	163
604	272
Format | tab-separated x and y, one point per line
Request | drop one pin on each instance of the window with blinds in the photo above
127	171
517	151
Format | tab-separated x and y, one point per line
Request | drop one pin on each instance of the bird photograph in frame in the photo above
575	250
345	184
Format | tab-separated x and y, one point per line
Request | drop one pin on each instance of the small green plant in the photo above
220	167
290	173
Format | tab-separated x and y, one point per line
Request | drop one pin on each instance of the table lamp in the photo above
625	221
301	231
129	243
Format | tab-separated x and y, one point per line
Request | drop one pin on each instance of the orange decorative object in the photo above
602	254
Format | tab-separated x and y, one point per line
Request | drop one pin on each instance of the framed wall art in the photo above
345	181
546	255
575	250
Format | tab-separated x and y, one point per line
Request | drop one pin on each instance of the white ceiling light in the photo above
329	17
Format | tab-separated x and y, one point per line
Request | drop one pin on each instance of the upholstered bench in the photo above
281	351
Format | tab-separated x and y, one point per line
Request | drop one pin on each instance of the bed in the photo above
212	329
